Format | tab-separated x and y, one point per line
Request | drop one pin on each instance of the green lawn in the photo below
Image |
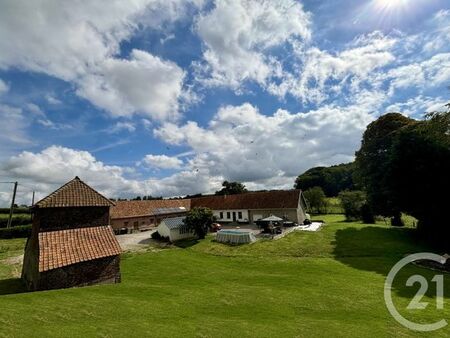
323	284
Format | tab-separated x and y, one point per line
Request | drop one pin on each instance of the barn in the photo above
71	243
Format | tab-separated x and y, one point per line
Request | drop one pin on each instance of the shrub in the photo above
21	231
199	220
352	203
17	220
317	200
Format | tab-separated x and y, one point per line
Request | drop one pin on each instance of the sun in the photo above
387	5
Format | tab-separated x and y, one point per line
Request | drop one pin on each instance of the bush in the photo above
157	236
17	220
317	200
21	231
352	203
18	210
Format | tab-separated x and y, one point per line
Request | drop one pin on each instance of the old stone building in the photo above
71	243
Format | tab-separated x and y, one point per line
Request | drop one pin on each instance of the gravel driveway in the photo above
136	241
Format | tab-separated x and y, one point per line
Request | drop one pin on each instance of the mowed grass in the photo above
309	284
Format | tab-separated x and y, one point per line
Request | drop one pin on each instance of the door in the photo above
234	216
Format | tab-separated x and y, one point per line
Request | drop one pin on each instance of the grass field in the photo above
321	284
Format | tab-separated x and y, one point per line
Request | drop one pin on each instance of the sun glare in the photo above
385	5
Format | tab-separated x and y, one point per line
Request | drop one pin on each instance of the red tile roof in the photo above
276	199
125	209
65	247
74	193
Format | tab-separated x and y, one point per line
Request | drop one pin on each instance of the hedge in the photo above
16	211
22	231
17	220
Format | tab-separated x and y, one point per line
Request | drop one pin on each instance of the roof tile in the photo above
66	247
74	193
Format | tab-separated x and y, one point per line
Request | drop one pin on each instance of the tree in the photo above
372	163
199	220
352	202
231	188
419	172
316	199
332	179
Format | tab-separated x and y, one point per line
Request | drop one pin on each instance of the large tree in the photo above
231	188
419	173
373	163
332	179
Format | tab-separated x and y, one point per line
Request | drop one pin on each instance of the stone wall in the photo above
97	271
72	217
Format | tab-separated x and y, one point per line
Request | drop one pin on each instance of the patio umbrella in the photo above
272	219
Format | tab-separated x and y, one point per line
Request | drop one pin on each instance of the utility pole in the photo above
32	199
12	205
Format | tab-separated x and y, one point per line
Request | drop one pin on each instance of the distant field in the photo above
309	284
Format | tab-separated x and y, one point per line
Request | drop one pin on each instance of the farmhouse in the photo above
140	215
252	206
71	242
174	229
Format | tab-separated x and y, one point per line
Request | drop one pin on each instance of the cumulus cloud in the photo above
144	84
162	161
80	41
13	134
417	106
238	36
53	166
242	144
122	126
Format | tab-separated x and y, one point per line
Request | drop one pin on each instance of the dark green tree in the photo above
316	199
331	179
199	220
373	167
231	188
419	174
352	202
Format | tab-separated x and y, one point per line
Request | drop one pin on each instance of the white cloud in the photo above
4	88
242	144
417	106
320	74
144	84
122	126
238	36
162	161
79	42
53	166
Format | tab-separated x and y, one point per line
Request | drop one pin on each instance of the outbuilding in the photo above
71	243
174	229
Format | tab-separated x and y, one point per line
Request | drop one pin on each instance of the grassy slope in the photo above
328	283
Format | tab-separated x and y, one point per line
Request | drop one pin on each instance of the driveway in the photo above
136	241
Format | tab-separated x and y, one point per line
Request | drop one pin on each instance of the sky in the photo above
171	97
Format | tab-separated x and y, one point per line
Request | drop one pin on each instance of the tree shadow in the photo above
12	286
378	249
186	243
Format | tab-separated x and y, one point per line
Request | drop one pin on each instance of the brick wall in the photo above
97	271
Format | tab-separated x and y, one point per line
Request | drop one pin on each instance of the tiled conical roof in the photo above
74	193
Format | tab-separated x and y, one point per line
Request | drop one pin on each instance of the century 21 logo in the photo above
416	303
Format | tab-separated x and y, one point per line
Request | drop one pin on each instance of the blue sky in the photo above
172	97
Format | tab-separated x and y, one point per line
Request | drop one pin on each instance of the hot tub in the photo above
235	236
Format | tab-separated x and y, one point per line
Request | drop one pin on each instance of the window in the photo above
228	215
240	214
221	215
125	224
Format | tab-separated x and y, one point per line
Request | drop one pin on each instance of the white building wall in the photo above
163	229
227	215
175	235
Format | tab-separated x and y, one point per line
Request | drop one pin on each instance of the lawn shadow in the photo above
12	286
378	249
186	243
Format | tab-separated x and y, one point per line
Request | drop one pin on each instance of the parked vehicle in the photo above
215	227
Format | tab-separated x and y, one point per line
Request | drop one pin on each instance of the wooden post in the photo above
12	205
